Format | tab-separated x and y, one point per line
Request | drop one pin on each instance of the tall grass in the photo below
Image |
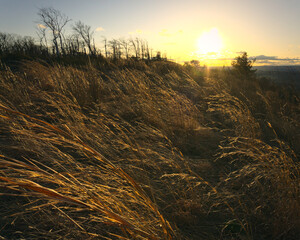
144	151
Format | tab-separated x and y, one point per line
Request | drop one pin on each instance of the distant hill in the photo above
281	74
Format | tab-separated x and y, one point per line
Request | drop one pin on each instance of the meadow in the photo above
137	149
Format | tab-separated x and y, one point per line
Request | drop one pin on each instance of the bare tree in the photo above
136	47
116	48
151	53
142	48
15	44
147	50
96	51
84	31
105	46
73	44
41	32
5	42
126	46
55	21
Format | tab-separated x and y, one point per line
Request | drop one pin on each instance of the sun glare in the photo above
210	42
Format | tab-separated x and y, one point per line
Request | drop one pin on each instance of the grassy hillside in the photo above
136	150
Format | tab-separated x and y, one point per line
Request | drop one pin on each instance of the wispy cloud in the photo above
41	26
100	29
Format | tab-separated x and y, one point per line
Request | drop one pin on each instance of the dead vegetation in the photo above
146	152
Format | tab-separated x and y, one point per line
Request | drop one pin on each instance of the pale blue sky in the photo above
262	27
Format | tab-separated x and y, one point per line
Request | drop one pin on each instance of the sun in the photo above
210	42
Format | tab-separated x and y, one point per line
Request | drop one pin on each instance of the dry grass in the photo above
144	152
264	184
100	196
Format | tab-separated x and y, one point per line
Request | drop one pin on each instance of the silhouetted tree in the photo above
147	50
84	31
5	42
55	21
195	63
158	55
74	44
242	66
42	35
11	44
116	48
192	66
105	46
136	47
143	49
126	46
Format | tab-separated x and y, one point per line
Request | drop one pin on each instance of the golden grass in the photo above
98	204
144	152
265	179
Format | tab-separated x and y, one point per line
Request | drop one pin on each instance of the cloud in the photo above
100	29
263	59
275	59
41	26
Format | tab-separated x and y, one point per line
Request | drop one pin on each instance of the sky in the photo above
211	31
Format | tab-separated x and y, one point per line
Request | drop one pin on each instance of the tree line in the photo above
53	40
